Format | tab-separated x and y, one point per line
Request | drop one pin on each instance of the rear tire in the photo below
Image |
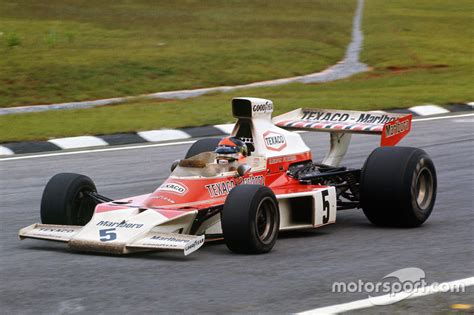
398	187
64	201
250	219
202	145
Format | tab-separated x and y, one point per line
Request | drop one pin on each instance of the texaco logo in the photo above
274	141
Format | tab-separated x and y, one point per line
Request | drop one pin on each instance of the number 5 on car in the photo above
325	206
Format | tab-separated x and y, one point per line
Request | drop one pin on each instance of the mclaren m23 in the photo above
275	187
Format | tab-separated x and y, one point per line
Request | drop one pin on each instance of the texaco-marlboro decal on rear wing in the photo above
392	127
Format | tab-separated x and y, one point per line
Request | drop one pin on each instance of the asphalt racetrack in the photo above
44	277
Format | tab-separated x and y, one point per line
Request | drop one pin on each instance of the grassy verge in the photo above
421	53
56	51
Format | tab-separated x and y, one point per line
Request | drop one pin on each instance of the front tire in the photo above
250	219
398	187
65	201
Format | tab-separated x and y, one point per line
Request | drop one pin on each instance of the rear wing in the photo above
391	127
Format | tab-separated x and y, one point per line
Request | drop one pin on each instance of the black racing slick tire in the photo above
202	145
65	201
250	219
398	187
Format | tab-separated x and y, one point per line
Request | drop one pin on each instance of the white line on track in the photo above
386	299
146	146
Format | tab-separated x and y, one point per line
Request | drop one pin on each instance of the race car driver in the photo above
231	152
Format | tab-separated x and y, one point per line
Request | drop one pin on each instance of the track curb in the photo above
165	135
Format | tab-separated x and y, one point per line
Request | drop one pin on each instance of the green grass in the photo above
64	50
421	53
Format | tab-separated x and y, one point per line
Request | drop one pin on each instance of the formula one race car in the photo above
249	186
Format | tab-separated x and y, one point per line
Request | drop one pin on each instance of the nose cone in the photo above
190	194
177	194
110	231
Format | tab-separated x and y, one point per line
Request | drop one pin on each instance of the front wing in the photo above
151	241
122	231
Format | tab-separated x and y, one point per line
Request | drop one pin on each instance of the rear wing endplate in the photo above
391	127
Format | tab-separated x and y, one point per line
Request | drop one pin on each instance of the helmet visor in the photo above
227	150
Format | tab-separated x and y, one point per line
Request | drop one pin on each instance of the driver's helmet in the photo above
230	149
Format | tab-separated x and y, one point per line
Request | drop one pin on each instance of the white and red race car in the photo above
276	187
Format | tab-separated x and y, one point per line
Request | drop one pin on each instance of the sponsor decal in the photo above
289	158
164	198
311	115
263	108
194	244
122	224
224	188
220	188
374	119
396	128
173	242
256	162
274	141
364	118
256	180
168	239
174	187
56	230
168	245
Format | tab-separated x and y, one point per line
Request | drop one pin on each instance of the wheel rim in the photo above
265	220
424	188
